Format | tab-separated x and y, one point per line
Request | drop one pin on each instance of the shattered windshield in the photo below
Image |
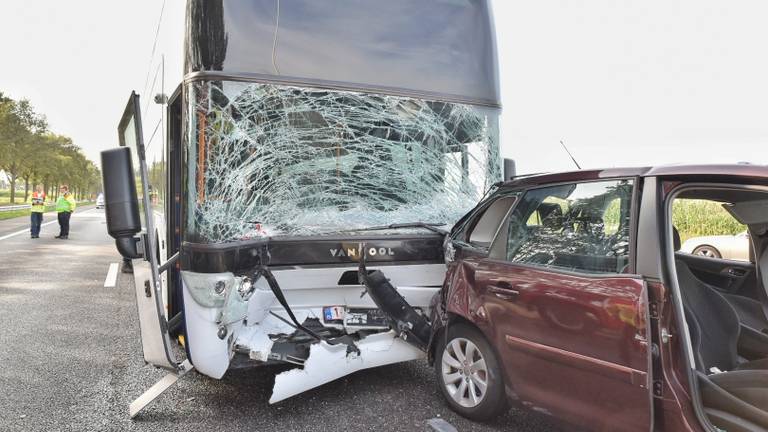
269	160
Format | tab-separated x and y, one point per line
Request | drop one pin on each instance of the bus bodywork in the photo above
308	145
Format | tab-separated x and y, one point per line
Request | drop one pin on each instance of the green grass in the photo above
13	214
695	218
5	197
20	213
25	212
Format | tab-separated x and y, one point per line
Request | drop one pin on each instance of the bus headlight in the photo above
209	289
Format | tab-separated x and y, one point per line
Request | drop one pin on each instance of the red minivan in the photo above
567	294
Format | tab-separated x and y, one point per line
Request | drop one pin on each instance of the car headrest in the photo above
676	238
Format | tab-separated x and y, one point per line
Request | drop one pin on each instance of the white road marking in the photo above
24	231
27	229
111	280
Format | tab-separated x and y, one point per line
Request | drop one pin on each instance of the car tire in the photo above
462	387
707	251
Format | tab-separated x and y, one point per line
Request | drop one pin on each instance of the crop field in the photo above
695	218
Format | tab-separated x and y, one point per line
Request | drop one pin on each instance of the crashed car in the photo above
568	294
294	215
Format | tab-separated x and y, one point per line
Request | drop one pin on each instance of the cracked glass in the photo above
582	227
269	160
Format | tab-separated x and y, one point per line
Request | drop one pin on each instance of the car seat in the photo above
734	391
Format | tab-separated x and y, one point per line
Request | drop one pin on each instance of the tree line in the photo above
31	153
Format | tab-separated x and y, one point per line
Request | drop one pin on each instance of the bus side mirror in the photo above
120	200
509	169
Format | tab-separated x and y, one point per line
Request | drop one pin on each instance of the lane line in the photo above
27	229
111	280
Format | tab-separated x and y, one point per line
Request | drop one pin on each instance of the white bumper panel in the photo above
330	362
210	355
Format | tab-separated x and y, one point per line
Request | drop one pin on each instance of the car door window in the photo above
708	230
581	227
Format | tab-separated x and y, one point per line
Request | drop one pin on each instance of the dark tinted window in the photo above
582	227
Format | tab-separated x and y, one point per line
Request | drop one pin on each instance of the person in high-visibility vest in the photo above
38	208
65	205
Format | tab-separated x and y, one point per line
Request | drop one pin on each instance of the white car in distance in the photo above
733	247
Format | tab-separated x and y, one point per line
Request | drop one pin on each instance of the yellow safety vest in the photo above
38	202
65	203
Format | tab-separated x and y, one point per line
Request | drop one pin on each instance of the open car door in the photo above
148	273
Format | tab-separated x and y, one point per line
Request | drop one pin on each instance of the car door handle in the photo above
504	291
736	272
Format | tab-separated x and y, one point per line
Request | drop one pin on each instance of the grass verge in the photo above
25	212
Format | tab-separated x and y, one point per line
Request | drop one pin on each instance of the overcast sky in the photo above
622	82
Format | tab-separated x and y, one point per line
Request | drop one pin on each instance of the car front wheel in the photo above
469	375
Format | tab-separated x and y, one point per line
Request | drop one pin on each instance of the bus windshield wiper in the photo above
426	225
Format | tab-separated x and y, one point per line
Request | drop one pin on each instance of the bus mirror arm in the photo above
129	247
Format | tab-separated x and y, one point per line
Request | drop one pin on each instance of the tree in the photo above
28	151
19	124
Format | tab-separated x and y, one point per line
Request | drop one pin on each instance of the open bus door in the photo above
149	274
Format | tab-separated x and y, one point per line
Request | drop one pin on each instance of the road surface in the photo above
70	359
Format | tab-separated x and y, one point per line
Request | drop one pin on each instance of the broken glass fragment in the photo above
267	160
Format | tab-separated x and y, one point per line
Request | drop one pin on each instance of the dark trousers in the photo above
36	220
64	223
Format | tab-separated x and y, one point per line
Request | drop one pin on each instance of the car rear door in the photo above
568	318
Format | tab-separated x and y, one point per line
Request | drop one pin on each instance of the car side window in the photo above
706	229
581	227
486	226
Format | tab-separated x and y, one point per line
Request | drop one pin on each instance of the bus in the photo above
311	158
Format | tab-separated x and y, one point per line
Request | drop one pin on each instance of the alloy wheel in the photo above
464	372
707	251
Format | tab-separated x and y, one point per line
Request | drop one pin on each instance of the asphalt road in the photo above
70	359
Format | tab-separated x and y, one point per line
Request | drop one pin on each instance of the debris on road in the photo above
440	425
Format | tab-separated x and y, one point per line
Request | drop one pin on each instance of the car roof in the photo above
709	172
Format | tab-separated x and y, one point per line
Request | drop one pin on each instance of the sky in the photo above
620	82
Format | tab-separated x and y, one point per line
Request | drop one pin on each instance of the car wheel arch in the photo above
453	319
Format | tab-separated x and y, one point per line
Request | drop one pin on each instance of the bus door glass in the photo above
148	279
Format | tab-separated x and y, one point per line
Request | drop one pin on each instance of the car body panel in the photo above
734	247
581	342
745	173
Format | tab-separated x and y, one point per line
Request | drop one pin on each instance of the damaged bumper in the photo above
330	322
330	362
